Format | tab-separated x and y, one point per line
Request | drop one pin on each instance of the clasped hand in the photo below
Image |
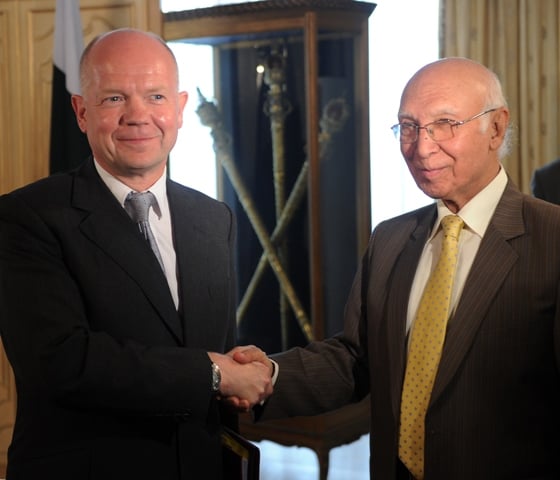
246	377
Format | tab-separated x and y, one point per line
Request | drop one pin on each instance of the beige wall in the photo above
26	47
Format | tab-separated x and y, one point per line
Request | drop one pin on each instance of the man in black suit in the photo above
545	183
491	410
117	353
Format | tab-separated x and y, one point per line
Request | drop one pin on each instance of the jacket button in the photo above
182	417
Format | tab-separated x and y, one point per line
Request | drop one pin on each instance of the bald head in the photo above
131	108
463	81
460	76
461	119
121	43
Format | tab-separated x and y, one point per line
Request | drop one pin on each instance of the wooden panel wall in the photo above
26	47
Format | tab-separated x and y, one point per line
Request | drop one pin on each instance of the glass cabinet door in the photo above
286	115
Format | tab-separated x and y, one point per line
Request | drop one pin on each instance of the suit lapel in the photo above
189	224
109	227
182	222
492	263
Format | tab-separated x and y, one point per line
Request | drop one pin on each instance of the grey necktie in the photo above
137	205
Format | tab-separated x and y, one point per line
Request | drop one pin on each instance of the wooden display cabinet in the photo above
290	127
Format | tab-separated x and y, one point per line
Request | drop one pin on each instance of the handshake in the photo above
246	377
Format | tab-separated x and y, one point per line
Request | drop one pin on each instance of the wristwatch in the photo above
216	378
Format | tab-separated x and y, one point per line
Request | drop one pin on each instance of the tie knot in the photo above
137	205
452	225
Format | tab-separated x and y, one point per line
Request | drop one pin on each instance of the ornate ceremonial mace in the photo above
277	107
333	119
209	116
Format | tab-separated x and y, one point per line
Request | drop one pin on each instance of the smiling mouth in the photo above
137	142
430	172
136	139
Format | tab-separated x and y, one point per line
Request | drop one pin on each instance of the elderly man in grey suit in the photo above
476	394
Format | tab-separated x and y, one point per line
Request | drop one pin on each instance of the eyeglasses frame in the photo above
453	123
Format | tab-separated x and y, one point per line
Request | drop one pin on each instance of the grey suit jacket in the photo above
112	381
494	407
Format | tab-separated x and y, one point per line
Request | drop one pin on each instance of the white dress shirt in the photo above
161	226
476	214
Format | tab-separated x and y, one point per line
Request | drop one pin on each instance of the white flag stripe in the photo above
68	42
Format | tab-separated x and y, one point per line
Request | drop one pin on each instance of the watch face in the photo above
216	377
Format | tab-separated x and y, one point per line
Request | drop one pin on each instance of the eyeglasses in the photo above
438	131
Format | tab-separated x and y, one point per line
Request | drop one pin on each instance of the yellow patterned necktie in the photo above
426	343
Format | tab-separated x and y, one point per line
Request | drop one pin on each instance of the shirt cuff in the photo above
275	370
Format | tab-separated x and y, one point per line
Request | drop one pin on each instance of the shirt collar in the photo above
478	211
121	191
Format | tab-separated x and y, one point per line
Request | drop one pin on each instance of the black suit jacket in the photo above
112	382
545	183
494	412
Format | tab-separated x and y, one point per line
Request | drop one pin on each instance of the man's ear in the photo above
183	97
78	105
498	126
